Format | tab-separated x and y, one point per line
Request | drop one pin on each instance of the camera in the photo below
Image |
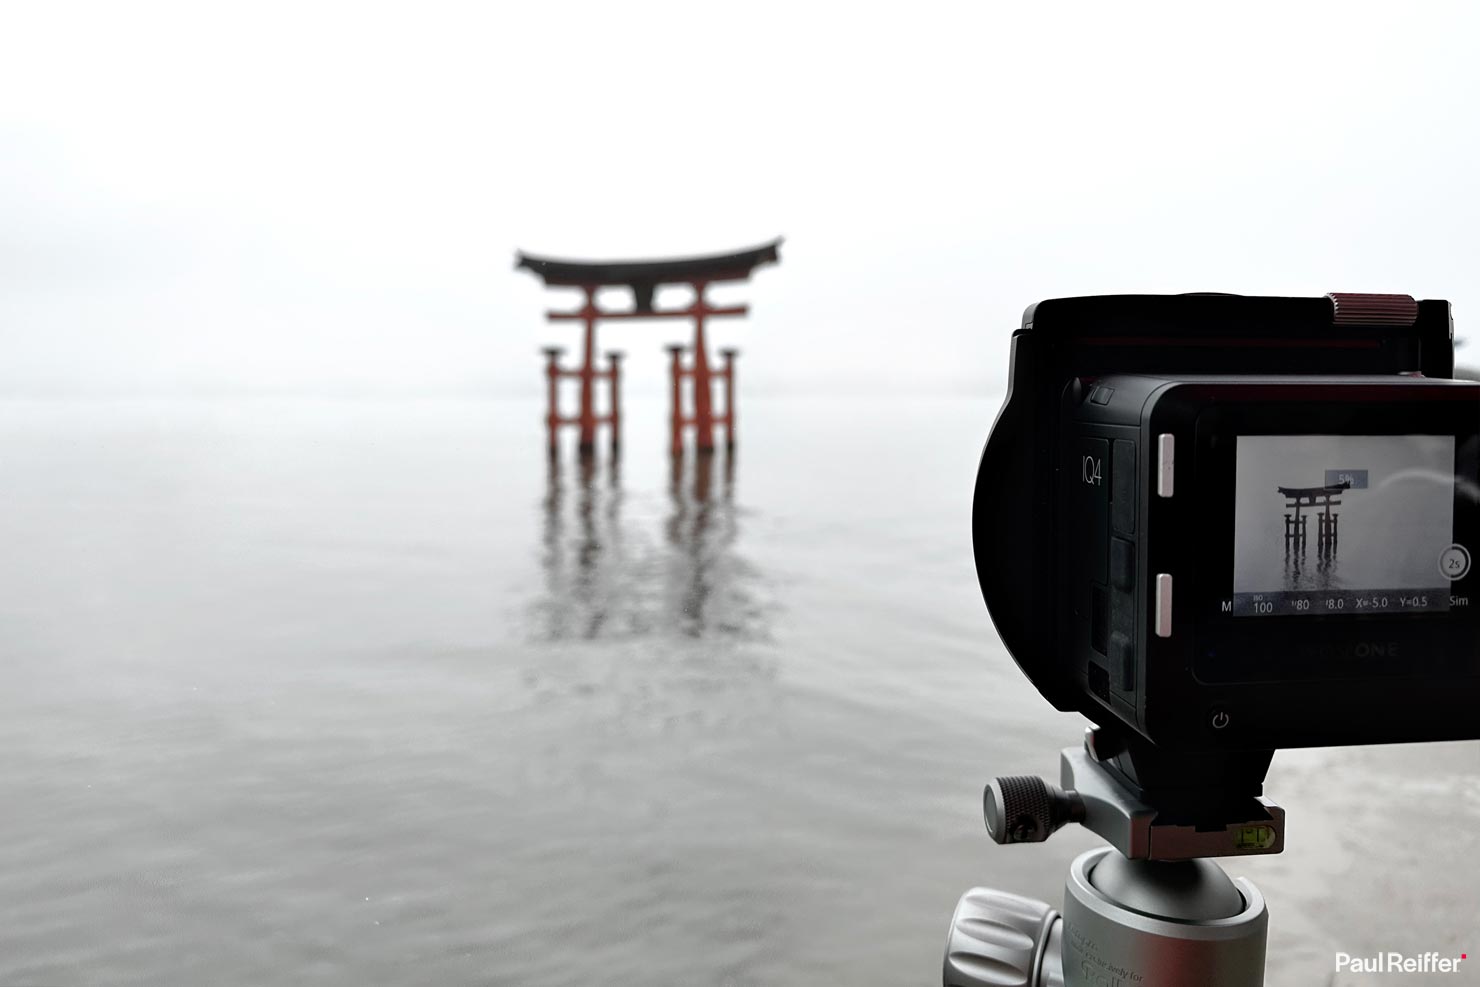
1232	523
1215	525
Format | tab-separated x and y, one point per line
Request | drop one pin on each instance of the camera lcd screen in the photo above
1344	524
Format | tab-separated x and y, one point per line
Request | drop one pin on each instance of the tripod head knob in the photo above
1027	809
1004	940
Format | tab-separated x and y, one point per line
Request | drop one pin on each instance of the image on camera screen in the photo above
1344	524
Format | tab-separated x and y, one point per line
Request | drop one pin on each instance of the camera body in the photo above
1239	523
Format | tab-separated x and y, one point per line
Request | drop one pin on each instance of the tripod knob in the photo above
1027	809
999	939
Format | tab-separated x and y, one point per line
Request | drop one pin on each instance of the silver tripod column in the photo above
1161	923
1126	923
1150	910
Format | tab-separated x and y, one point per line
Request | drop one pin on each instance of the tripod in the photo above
1148	911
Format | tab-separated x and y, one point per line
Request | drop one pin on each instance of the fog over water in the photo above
356	691
313	670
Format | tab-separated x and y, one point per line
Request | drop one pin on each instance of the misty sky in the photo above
329	197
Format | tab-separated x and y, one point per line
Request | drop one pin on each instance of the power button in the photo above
1218	718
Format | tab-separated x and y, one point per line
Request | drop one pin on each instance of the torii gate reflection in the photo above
606	577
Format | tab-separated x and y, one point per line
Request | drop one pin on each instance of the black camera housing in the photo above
1104	519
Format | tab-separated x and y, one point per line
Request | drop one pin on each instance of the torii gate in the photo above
1299	497
644	277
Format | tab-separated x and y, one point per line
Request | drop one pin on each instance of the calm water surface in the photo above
350	692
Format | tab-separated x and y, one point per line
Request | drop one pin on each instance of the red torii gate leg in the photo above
614	417
729	416
675	352
703	393
586	419
702	379
552	413
588	374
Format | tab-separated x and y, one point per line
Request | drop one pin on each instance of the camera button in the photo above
1218	718
1166	461
1163	605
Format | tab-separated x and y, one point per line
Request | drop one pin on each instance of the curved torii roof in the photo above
1331	490
644	275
